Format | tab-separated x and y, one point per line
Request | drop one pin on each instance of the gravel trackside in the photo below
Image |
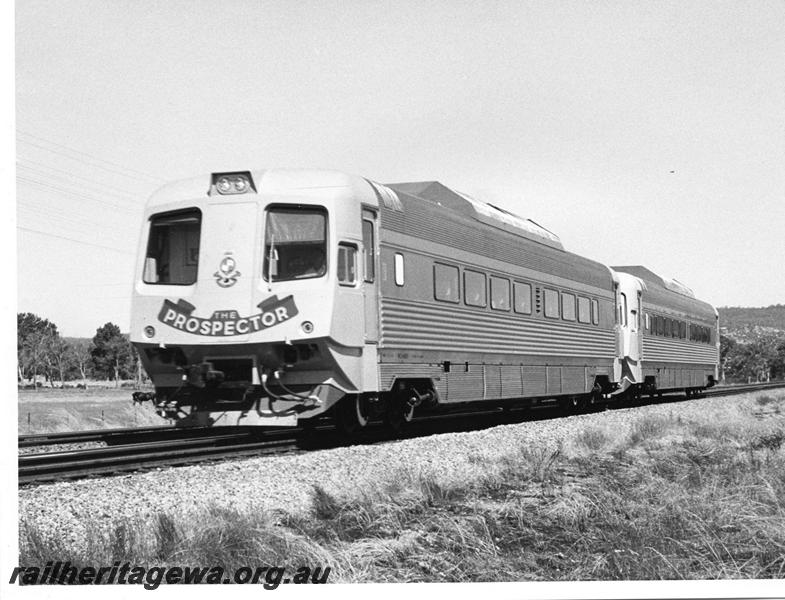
286	482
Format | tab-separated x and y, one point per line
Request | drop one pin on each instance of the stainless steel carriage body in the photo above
678	334
437	247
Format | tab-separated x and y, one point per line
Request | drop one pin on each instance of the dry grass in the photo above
666	499
51	410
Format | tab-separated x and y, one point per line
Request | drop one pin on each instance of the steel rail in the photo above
87	435
50	466
133	435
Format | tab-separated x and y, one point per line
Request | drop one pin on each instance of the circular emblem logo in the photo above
227	265
227	273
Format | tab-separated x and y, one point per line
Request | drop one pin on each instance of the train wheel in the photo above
351	414
399	414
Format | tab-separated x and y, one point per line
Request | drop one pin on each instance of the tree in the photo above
112	353
81	358
58	357
35	338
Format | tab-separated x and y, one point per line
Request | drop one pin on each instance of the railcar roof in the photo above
481	211
272	181
668	292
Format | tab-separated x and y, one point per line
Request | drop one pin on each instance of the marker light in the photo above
307	327
149	331
232	183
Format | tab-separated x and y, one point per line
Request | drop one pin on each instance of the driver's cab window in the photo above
295	243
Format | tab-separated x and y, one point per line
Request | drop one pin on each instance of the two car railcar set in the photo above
287	296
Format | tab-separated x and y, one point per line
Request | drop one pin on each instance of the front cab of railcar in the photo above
252	294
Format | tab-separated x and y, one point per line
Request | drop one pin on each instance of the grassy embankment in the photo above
52	409
668	498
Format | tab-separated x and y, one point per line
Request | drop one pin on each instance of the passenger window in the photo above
398	269
474	292
595	312
446	283
551	304
347	264
500	293
568	306
584	310
369	251
523	297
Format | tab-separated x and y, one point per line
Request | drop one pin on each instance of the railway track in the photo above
155	447
76	464
113	437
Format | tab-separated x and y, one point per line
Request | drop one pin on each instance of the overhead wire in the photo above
116	168
62	237
119	193
70	192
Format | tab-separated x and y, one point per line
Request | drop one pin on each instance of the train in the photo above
294	297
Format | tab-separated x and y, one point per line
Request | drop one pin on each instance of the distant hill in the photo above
747	325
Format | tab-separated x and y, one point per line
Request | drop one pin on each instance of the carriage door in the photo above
370	284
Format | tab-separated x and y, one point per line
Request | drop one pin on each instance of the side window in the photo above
584	310
646	322
446	285
595	312
398	269
568	306
474	289
347	264
551	304
500	293
368	251
522	293
623	309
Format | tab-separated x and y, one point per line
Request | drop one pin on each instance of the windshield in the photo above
295	243
173	248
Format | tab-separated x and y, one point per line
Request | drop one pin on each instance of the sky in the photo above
645	133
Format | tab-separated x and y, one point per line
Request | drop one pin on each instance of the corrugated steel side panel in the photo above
415	325
493	381
676	377
533	381
573	380
512	381
553	379
465	385
388	372
674	350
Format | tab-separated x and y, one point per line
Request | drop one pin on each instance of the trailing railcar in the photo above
281	296
672	337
